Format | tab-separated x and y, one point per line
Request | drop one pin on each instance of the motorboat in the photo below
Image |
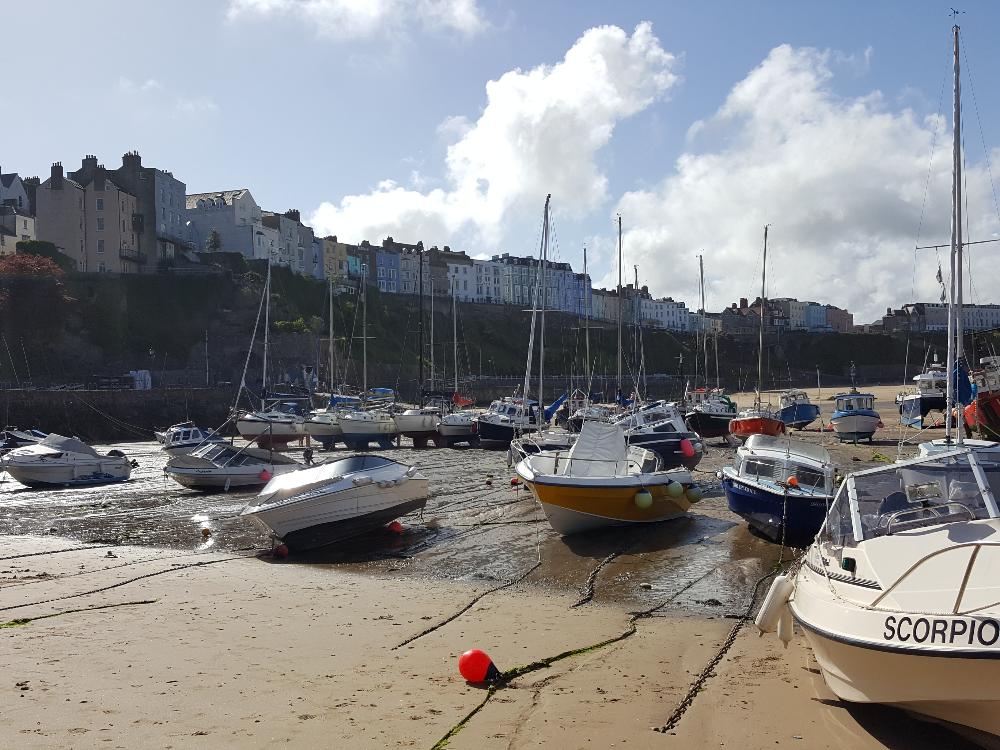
535	442
781	486
600	482
709	412
362	427
184	438
854	417
508	418
660	427
929	397
333	501
276	425
459	427
898	596
65	462
216	467
12	437
590	413
323	425
419	424
796	410
758	420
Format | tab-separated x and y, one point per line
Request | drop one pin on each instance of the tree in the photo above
32	297
46	250
214	242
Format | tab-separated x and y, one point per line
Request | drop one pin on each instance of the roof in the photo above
6	231
227	196
8	179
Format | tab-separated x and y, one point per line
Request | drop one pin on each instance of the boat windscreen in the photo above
358	463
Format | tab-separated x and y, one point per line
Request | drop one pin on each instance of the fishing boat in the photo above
324	504
898	596
781	486
601	482
854	417
709	412
928	397
58	461
982	416
12	437
590	413
459	427
659	427
759	419
218	467
184	438
796	410
507	418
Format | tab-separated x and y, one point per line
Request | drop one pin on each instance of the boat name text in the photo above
939	630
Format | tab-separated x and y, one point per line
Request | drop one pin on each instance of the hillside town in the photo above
141	219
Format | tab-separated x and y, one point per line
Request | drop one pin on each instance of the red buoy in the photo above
477	667
514	481
687	448
281	551
265	475
396	527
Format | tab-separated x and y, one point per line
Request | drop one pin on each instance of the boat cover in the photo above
67	445
599	451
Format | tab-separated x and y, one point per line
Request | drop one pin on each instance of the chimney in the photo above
57	176
100	174
131	160
89	161
293	214
743	303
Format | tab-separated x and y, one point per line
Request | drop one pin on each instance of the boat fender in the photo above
510	458
785	626
411	471
675	489
693	494
775	601
265	475
687	448
362	479
643	499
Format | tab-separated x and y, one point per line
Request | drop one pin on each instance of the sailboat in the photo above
457	424
372	422
898	596
275	424
758	420
323	425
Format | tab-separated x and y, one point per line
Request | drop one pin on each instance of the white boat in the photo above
361	428
601	482
854	417
323	426
420	425
459	427
11	438
324	504
214	467
279	425
184	438
63	461
899	595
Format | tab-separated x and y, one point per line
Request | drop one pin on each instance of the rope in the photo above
25	620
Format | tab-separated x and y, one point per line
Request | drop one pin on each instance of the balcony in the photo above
134	256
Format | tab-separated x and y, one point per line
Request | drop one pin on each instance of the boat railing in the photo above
621	466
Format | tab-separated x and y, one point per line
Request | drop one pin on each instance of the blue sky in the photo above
813	117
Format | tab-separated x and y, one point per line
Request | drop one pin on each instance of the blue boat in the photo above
781	486
796	410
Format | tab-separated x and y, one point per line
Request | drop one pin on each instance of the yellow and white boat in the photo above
601	481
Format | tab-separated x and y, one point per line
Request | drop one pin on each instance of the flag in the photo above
961	384
461	400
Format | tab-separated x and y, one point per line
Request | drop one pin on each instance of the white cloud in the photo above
127	86
841	180
539	132
150	98
350	19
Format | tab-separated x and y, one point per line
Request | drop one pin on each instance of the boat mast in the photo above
763	306
432	331
364	332
267	326
586	323
454	331
331	354
420	327
618	382
955	304
704	338
541	330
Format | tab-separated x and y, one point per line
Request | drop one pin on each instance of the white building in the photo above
462	281
664	313
12	192
490	287
233	214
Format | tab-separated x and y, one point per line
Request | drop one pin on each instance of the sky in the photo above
448	121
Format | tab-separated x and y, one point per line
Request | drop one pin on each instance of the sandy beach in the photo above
182	641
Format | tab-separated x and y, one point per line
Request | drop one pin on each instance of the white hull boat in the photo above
318	506
899	595
64	462
419	425
184	438
221	468
270	427
459	427
361	428
324	427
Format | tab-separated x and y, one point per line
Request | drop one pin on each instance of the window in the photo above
100	246
101	268
24	223
100	223
100	204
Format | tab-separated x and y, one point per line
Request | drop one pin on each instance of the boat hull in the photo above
913	409
324	431
267	433
795	522
574	509
983	415
51	474
744	427
708	425
416	425
325	519
855	427
669	449
799	416
358	434
232	479
491	432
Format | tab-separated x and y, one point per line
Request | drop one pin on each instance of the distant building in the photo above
664	313
839	320
410	275
604	305
13	193
387	261
923	317
161	206
233	215
489	281
289	246
15	226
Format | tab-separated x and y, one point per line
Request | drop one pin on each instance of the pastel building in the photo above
13	193
233	214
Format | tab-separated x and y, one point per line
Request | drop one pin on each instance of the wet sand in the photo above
232	649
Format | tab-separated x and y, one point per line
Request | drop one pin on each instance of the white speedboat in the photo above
216	467
601	482
63	461
459	427
324	504
899	595
184	438
361	428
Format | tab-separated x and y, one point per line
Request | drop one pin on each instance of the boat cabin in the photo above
904	497
932	382
793	397
777	460
855	402
188	435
